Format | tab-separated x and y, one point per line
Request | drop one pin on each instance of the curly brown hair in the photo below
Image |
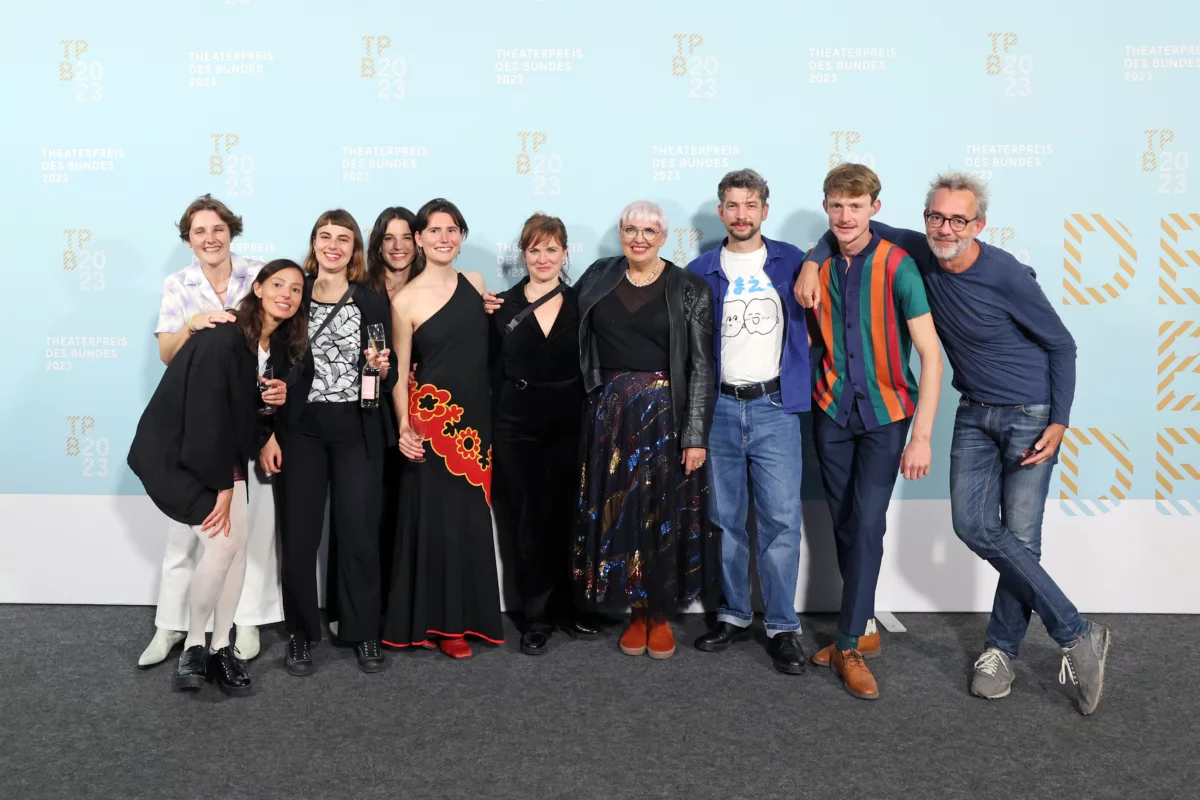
206	202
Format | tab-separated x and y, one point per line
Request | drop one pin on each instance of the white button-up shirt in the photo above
188	292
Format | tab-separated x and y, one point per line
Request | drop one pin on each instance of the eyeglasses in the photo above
630	232
935	220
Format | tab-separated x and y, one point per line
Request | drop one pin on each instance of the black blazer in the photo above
199	425
690	317
378	429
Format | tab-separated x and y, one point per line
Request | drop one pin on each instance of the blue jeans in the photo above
997	508
859	468
754	448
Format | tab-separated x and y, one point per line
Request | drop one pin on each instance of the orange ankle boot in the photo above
633	641
661	643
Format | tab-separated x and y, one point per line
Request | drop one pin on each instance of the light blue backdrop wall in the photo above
575	108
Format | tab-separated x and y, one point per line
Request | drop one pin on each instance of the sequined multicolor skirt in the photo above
640	535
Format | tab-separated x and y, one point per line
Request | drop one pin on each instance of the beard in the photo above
747	236
948	251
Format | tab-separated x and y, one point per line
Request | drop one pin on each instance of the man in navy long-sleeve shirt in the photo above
1014	365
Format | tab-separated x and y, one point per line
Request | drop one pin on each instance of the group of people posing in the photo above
618	426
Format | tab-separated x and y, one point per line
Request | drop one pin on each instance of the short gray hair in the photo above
746	179
958	181
645	211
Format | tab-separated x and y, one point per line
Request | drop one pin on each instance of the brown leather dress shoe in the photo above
661	643
867	645
633	640
856	677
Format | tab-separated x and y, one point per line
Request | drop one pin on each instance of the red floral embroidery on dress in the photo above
458	447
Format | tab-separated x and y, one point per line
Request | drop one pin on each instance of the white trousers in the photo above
261	601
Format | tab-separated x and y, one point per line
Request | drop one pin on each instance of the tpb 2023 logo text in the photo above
238	168
87	75
91	451
1171	165
87	264
388	69
1006	61
700	69
545	167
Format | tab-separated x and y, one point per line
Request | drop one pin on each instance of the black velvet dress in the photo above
538	396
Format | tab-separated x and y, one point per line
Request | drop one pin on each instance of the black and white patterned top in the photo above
335	353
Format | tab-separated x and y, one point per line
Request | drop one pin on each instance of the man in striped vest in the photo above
870	314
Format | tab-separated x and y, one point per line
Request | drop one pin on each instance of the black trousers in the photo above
393	469
326	453
534	486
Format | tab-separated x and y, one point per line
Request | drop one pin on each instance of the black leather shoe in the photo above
578	629
228	672
787	654
720	637
535	643
370	655
190	675
298	661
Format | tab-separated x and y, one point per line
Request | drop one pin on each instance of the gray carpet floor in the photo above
78	720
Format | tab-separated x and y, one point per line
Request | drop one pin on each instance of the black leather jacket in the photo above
690	315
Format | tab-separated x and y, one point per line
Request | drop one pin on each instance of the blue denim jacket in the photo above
782	267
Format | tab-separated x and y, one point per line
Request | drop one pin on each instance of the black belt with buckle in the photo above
521	383
971	402
749	391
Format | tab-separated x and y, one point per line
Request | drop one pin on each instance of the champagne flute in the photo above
420	428
268	373
375	337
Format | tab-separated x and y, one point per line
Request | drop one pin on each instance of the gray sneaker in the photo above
1083	662
993	675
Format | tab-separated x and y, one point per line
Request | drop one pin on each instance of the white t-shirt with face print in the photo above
752	322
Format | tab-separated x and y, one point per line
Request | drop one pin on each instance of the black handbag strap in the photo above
532	307
294	374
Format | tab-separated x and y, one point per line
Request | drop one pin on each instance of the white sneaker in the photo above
333	627
245	642
160	647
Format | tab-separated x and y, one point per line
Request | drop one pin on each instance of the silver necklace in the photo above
649	280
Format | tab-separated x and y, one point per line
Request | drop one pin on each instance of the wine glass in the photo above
268	373
420	428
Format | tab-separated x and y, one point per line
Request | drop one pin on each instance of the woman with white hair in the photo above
641	536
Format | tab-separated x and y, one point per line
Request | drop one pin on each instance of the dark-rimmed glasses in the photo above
935	220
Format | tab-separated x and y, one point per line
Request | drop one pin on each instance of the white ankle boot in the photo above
160	647
245	644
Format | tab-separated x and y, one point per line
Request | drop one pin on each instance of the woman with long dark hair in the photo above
391	255
641	532
193	449
391	252
444	585
538	402
329	441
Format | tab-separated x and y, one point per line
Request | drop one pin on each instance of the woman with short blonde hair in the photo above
641	534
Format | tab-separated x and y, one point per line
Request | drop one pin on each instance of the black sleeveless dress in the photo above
444	574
